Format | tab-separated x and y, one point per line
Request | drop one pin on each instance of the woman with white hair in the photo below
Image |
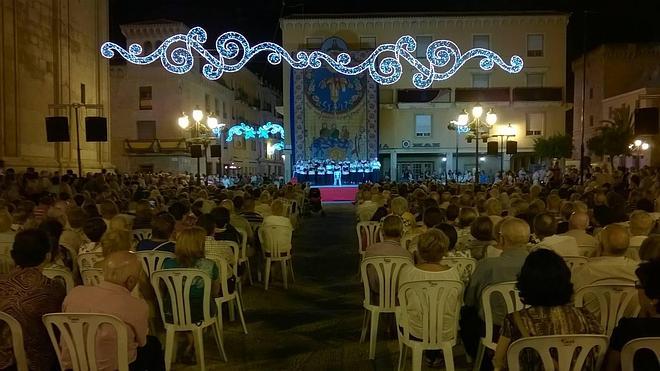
263	205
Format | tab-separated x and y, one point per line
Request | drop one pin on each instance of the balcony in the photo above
155	146
482	95
538	94
423	96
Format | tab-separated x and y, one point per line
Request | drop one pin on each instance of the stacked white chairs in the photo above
17	344
6	262
368	233
55	273
507	291
276	247
385	271
464	266
628	351
92	276
177	284
242	256
614	300
575	262
435	298
231	298
78	331
571	350
153	260
141	234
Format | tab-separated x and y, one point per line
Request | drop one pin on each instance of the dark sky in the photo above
607	20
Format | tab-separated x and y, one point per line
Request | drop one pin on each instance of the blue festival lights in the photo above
234	52
263	132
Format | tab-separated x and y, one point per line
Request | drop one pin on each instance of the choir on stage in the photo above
337	173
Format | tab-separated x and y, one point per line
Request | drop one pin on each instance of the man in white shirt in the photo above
545	228
577	228
641	224
367	208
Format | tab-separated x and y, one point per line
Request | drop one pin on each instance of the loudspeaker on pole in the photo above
492	148
196	151
511	147
57	129
216	150
96	129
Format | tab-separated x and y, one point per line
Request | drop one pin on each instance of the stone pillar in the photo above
393	162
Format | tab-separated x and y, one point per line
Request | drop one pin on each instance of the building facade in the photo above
50	56
620	78
147	102
413	133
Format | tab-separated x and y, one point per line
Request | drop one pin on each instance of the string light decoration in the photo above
264	132
384	64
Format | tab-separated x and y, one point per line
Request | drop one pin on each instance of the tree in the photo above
555	146
614	137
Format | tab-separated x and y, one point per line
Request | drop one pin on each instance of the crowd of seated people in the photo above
532	235
50	221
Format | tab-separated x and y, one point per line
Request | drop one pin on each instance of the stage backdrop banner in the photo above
335	115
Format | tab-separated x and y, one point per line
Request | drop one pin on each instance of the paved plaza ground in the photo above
315	324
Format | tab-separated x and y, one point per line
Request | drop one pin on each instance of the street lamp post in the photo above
478	128
196	135
639	146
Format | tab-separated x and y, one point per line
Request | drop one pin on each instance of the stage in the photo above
337	193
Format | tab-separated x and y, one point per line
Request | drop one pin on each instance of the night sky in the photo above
607	21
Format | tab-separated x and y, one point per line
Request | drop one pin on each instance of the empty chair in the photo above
61	274
153	260
276	247
227	295
242	256
440	302
570	350
379	292
507	291
575	262
465	266
17	345
91	276
611	300
141	234
173	288
631	347
78	331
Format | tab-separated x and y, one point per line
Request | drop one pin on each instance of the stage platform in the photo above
337	193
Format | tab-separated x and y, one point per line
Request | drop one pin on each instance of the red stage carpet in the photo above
336	193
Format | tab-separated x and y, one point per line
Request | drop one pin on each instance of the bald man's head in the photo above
515	232
122	268
615	239
579	220
641	223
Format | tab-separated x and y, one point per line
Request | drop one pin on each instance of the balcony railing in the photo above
538	94
155	146
482	95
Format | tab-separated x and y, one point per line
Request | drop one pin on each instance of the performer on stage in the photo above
353	171
337	174
345	172
320	174
375	166
367	171
311	173
329	171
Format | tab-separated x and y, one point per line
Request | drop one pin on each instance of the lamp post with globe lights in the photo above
200	133
638	146
477	129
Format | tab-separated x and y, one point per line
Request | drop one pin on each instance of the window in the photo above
535	80
535	123
591	121
83	97
481	41
480	80
224	110
145	97
207	103
146	130
215	107
535	45
367	42
591	93
313	42
423	125
253	145
422	44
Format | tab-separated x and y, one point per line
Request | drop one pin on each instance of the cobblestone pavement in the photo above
315	324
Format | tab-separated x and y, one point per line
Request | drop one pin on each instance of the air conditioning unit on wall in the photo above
406	143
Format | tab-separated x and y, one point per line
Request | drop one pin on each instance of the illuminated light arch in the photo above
263	132
234	52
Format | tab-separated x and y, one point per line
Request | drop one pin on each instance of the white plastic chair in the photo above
628	351
141	234
408	242
242	256
88	260
435	299
178	283
231	298
575	262
507	291
368	233
570	349
464	266
78	332
276	247
55	273
91	276
386	270
614	300
229	252
153	260
17	344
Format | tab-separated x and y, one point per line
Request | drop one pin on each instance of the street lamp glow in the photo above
212	122
197	114
509	131
637	143
482	159
183	122
463	118
477	111
444	159
491	117
645	146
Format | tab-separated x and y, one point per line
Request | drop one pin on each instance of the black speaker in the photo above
215	150
492	148
96	129
196	151
511	147
646	121
57	129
